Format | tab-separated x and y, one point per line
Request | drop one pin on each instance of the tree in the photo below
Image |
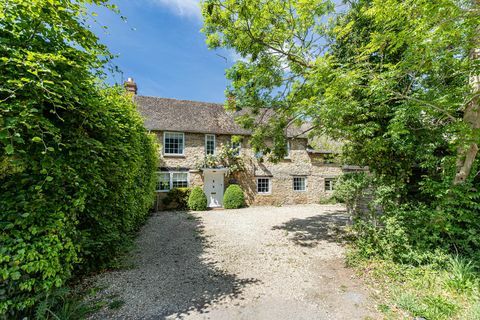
382	75
395	80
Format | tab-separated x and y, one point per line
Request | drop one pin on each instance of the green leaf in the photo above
9	149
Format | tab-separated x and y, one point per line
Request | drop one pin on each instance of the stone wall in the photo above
299	163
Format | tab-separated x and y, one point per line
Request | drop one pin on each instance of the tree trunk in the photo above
468	153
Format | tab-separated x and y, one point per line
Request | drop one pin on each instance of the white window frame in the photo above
288	150
169	180
232	146
183	144
214	144
269	185
304	183
177	172
332	182
170	173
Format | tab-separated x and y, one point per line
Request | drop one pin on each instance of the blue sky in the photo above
162	48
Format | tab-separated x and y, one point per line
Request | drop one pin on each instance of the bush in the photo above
177	198
233	197
77	167
197	200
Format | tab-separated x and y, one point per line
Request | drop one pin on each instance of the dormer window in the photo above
173	143
209	144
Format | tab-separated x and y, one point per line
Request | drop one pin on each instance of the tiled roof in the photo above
163	114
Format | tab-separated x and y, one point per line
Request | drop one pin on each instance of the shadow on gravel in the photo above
170	277
309	232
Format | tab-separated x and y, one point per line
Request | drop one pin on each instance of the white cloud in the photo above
188	8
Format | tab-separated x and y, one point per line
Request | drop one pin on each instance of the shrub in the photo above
77	167
177	198
197	200
233	197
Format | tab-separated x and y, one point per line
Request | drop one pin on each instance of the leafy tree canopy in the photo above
390	77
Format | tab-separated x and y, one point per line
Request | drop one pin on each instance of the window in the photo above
179	179
299	184
209	144
236	146
169	180
263	185
163	182
329	184
287	156
173	143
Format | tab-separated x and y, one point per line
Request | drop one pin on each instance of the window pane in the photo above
287	150
210	144
299	183
329	184
173	143
179	179
163	182
263	185
236	148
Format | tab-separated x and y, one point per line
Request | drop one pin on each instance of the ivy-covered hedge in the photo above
77	167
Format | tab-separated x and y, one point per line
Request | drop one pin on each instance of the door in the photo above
214	188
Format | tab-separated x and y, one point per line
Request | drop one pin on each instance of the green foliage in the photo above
350	187
197	200
177	198
463	274
233	197
62	304
77	167
424	291
389	78
228	157
328	200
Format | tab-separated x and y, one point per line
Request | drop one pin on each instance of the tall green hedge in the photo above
77	167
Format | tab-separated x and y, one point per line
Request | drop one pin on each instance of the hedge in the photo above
233	197
77	167
197	200
177	198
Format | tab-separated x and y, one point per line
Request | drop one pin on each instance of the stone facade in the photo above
300	163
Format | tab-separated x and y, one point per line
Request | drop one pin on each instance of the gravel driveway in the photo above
253	263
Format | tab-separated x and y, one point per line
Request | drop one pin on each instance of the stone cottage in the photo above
190	131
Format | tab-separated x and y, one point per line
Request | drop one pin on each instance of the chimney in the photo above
130	86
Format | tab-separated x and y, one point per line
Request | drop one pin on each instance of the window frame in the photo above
165	133
170	179
304	183
287	156
214	144
239	148
331	184
269	179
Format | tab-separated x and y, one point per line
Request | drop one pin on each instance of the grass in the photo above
63	304
431	292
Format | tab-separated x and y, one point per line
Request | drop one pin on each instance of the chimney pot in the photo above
130	85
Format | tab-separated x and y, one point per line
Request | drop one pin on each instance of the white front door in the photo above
214	188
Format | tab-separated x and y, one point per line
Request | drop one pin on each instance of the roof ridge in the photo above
180	100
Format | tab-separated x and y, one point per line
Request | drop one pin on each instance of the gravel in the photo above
252	263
